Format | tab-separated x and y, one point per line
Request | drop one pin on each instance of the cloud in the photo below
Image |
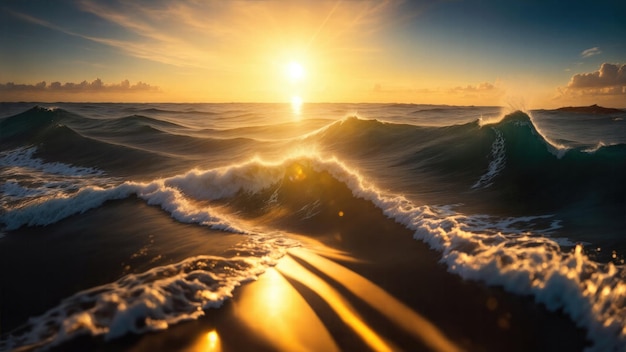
482	93
82	87
484	87
606	86
608	76
479	88
201	34
591	52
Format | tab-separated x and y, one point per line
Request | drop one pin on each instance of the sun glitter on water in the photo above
295	74
296	105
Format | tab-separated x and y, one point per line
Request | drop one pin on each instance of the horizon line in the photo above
303	103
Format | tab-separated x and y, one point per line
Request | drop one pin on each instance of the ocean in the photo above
122	220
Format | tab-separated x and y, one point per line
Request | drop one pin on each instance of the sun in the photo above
295	71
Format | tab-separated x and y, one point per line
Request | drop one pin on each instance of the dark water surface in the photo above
134	217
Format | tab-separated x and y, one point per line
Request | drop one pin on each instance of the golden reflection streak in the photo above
320	248
273	309
209	342
296	105
290	268
376	297
213	340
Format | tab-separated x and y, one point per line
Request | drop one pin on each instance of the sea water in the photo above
534	201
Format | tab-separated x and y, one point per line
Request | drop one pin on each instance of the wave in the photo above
503	161
507	160
30	179
140	121
497	163
31	123
61	143
139	303
538	172
129	145
514	252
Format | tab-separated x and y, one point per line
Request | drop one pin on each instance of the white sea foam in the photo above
225	182
175	195
556	149
164	295
493	251
149	301
498	251
27	179
497	163
24	158
595	148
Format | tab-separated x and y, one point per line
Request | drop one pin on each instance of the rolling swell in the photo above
310	193
50	132
316	194
163	137
137	121
539	176
29	125
509	162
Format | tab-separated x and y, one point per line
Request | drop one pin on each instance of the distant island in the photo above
592	109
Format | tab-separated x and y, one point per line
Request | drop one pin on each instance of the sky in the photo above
521	53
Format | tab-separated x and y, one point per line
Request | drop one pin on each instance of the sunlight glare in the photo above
272	308
396	311
295	71
208	342
296	173
290	268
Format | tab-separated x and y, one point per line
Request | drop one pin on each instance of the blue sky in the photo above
451	52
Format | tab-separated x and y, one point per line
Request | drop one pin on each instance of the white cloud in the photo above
606	86
479	88
591	52
608	76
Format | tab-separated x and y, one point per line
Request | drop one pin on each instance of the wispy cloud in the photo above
40	22
219	35
591	52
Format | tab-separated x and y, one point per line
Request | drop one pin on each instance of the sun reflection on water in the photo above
209	342
276	311
296	105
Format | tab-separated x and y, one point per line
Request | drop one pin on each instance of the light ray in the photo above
291	269
375	296
276	311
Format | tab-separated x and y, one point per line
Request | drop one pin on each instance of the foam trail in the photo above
592	294
175	195
497	163
164	295
28	179
477	247
24	158
555	148
144	302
